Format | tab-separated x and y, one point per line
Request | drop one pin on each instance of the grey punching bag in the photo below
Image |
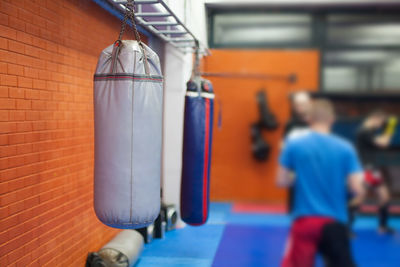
123	250
128	104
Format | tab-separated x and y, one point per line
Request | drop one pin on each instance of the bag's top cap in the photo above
193	85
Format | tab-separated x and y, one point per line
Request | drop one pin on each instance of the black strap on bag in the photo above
129	14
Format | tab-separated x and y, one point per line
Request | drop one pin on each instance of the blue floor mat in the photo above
238	239
190	246
256	245
250	246
259	219
219	213
374	250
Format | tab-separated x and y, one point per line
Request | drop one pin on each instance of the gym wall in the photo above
48	53
235	175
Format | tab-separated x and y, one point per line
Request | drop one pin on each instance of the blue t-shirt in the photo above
321	163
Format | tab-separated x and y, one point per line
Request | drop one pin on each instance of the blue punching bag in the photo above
196	158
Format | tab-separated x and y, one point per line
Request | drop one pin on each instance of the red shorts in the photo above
303	241
373	177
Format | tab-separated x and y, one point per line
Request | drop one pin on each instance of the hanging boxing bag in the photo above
267	118
128	104
259	147
197	139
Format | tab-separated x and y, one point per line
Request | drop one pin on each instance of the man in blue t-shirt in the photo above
321	167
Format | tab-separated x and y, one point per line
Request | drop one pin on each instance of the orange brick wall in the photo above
48	53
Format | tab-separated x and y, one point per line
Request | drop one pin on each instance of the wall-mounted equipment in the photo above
267	121
156	17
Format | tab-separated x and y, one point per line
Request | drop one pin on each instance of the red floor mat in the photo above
281	209
395	210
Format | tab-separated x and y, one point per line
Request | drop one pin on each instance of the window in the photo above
261	29
359	51
362	53
363	30
361	70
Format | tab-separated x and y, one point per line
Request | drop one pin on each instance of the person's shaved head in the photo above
301	97
322	111
301	104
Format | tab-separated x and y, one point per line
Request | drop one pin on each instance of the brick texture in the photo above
48	53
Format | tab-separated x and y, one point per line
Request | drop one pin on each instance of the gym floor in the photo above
240	235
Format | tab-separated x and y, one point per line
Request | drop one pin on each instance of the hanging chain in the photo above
132	16
129	14
196	65
121	32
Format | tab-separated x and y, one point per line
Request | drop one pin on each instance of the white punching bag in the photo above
128	104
